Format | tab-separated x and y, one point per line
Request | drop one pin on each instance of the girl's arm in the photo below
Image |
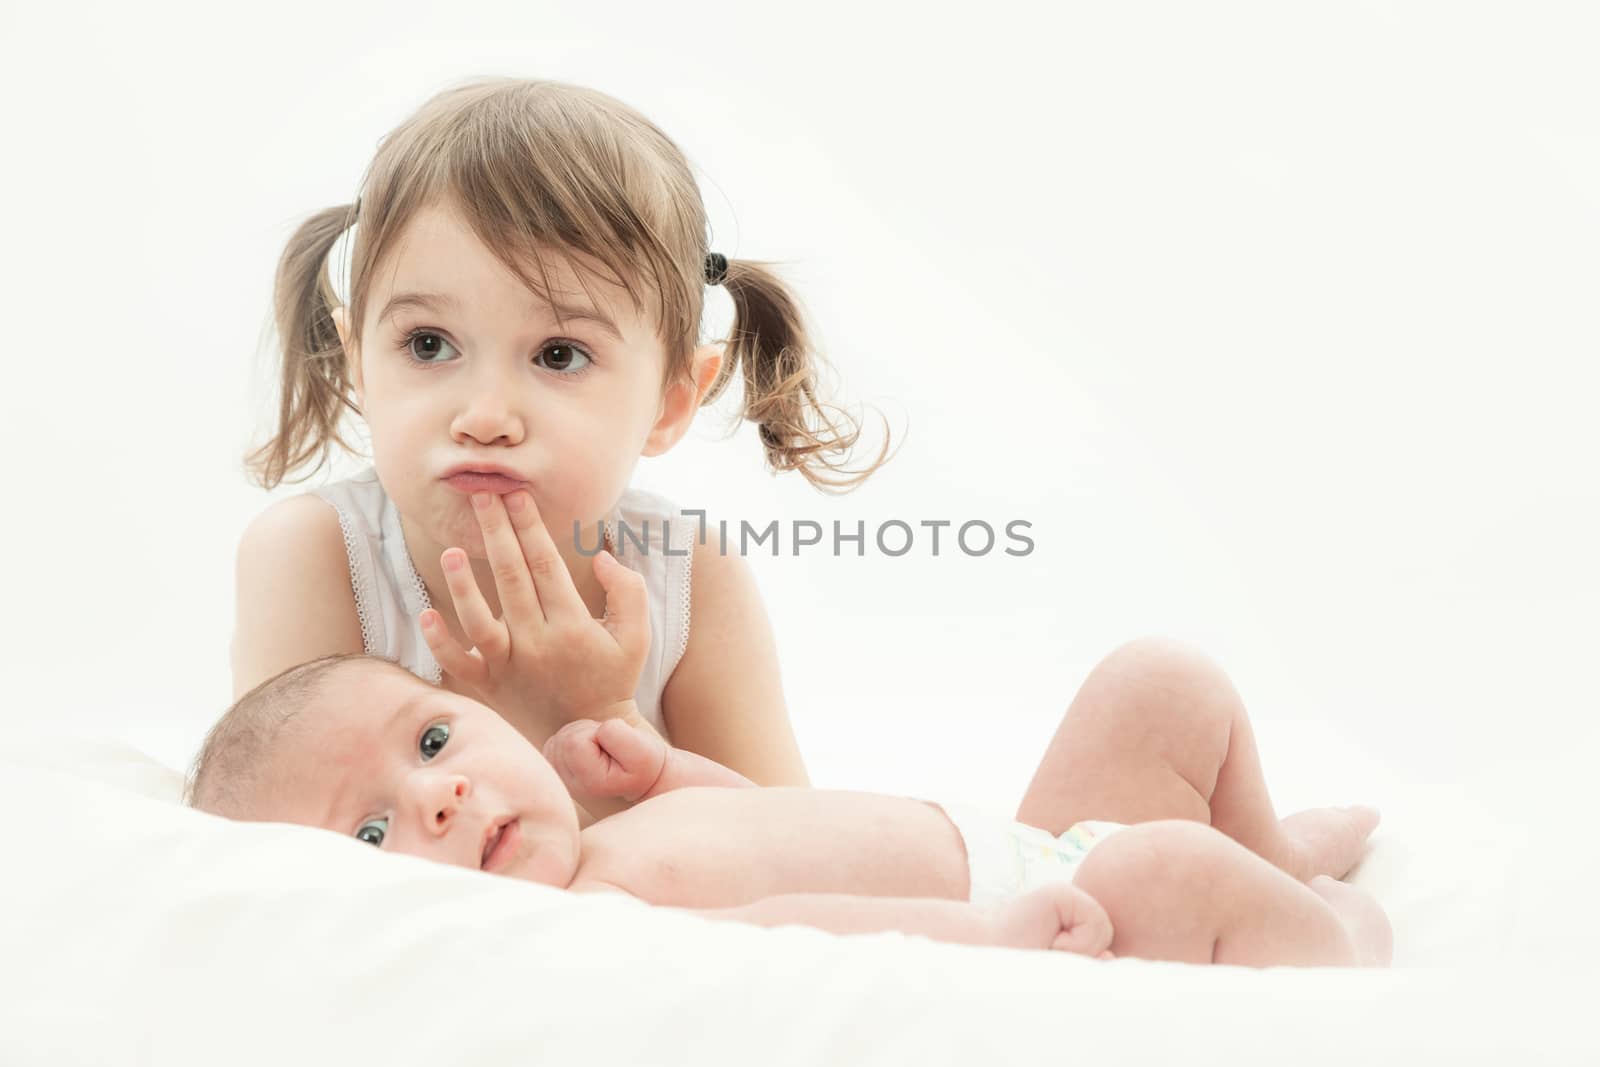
724	700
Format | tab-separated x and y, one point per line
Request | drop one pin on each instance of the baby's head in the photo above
524	291
361	746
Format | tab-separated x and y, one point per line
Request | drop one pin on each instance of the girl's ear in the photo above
341	322
682	400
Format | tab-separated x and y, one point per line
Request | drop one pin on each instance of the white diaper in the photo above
1005	857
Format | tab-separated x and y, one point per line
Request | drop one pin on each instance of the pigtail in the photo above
769	340
315	390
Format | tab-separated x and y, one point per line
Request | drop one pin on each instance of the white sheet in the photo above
135	930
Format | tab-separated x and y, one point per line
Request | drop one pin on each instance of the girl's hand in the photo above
546	661
611	760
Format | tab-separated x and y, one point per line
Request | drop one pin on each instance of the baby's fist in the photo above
1056	916
608	760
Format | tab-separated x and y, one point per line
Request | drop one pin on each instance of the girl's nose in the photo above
440	797
487	417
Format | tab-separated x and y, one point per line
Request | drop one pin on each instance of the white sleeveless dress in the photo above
655	539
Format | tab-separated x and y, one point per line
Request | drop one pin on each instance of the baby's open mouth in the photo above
488	846
501	844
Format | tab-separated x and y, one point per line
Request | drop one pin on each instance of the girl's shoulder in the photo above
656	519
311	531
298	530
293	600
646	502
359	499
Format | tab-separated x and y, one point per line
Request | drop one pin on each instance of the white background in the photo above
1277	323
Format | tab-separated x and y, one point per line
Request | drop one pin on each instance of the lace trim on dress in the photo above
683	597
611	547
360	580
435	673
683	591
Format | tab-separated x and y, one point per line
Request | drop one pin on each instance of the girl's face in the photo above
460	366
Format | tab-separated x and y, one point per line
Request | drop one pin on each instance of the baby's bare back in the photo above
709	848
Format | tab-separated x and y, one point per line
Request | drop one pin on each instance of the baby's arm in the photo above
685	768
608	765
1056	916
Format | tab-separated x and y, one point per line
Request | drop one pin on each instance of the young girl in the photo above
519	310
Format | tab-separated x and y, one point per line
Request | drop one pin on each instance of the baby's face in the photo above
406	766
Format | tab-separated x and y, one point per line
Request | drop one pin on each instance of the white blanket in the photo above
137	931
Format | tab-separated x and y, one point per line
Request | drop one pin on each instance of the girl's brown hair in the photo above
544	164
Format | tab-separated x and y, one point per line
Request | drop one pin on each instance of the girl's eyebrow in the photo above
439	303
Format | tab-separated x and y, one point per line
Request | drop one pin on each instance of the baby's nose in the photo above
442	799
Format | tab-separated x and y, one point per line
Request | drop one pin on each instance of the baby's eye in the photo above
564	363
429	352
373	831
433	739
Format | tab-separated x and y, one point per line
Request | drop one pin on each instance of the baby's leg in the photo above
1158	732
1176	890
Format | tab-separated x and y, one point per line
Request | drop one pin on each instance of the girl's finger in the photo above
558	594
519	600
453	659
627	603
477	621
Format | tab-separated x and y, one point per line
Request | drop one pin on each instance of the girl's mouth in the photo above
468	482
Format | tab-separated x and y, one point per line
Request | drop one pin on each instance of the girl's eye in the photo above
563	364
433	739
428	353
565	358
373	831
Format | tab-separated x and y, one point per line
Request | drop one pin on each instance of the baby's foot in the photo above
1328	841
1362	916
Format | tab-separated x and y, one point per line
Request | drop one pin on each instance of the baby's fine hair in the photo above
542	164
226	774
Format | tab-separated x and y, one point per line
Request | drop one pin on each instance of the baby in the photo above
363	747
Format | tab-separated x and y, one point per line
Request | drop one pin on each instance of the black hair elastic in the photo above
716	268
